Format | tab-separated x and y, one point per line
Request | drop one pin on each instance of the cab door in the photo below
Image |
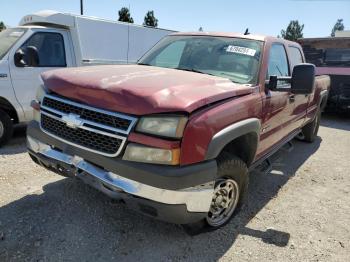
279	105
54	51
300	101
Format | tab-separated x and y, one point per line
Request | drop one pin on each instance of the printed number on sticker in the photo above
240	50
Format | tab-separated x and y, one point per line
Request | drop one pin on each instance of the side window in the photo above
170	56
278	62
295	56
50	47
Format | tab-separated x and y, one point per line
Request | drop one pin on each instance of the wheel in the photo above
6	128
230	192
309	132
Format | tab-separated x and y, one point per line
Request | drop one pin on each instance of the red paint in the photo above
204	125
153	141
142	90
35	105
333	71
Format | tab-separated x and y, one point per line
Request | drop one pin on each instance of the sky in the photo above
266	17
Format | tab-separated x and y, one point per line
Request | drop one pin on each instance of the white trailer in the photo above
60	40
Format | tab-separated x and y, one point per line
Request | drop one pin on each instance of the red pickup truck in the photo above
175	135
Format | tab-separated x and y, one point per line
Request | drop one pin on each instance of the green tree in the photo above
150	19
124	15
2	26
339	26
294	31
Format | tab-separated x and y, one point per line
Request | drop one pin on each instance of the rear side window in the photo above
295	56
278	63
50	47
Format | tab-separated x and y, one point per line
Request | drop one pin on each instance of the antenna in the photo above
247	32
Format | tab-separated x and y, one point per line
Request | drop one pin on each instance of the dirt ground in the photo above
300	211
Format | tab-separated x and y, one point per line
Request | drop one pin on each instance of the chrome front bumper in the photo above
196	199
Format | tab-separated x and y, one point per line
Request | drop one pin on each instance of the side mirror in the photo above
27	57
19	58
32	56
272	83
303	79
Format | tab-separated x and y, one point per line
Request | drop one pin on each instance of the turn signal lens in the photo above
140	153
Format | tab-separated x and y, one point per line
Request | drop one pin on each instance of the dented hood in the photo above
141	90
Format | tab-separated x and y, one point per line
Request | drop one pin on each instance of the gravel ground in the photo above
300	211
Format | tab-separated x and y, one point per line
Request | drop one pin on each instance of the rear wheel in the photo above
309	132
6	128
229	194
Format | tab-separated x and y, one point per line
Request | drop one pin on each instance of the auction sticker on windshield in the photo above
240	50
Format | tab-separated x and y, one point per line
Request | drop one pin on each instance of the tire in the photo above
310	131
6	128
232	172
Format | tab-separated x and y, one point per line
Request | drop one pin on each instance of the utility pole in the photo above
81	7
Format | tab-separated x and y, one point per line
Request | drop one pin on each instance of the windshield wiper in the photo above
193	70
144	64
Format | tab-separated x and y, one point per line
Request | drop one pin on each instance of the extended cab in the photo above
49	40
175	135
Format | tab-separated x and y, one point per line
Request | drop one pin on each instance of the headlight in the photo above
168	126
35	104
152	155
40	93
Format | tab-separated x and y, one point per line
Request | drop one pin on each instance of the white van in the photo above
47	40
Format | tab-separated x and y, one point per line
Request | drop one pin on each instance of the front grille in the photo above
81	137
87	114
95	130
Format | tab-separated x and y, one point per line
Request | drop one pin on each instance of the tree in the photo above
293	31
150	19
124	15
2	26
339	26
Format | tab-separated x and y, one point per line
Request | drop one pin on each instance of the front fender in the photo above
232	132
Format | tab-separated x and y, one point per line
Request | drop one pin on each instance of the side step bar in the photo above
266	165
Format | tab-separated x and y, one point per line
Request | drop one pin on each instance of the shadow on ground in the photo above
336	120
70	221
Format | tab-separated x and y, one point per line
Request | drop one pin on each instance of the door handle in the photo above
291	98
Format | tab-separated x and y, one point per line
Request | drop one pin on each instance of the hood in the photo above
141	90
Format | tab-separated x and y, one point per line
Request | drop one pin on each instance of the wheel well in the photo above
6	106
243	147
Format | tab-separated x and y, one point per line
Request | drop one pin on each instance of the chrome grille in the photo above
88	114
93	129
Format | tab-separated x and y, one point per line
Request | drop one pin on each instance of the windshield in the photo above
8	38
233	58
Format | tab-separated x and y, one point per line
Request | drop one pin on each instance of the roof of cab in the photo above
256	37
48	17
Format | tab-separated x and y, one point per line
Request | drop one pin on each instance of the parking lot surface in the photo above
300	211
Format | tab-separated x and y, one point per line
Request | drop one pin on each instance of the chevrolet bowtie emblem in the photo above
72	120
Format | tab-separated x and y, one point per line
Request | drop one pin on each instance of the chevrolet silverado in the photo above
175	135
